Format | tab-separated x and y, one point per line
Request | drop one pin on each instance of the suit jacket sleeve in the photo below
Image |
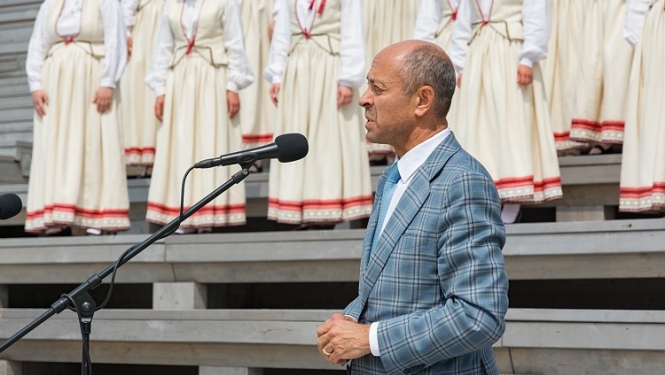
472	279
354	308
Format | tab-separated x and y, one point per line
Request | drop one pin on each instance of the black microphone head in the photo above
291	147
10	206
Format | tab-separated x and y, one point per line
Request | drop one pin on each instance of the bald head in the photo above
421	63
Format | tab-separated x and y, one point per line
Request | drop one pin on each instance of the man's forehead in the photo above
383	70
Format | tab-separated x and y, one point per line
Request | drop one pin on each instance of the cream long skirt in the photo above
196	127
386	22
561	66
138	114
604	71
643	164
506	126
77	176
332	183
257	112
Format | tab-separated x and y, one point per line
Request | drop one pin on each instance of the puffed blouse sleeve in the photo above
537	21
279	45
462	31
161	55
352	45
38	47
128	11
239	73
636	11
115	42
428	20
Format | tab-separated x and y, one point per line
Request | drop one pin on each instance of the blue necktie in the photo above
389	187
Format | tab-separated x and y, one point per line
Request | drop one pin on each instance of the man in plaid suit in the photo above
433	287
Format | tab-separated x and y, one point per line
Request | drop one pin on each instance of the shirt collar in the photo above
415	158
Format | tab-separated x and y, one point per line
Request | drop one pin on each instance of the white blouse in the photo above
128	11
69	25
536	20
636	11
239	71
352	42
429	18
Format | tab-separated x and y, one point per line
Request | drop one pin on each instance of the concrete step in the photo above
589	250
589	183
535	341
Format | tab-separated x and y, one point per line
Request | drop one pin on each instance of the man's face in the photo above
387	109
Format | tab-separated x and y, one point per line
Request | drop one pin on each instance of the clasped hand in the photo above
103	99
341	339
232	104
344	94
524	76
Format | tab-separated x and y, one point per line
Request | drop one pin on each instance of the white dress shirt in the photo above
536	20
407	165
69	25
239	71
352	41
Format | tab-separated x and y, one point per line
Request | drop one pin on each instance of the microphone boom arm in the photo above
81	292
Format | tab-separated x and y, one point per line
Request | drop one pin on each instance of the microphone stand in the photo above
83	302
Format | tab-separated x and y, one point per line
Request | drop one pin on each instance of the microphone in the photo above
286	148
10	206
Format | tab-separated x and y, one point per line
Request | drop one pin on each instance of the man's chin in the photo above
373	139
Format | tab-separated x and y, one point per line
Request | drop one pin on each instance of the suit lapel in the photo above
371	228
405	211
416	194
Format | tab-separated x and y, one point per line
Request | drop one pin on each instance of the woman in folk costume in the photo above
318	61
257	113
600	97
386	22
643	164
198	67
435	23
139	122
505	121
560	69
75	57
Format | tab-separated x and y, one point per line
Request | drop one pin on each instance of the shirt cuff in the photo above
374	339
354	319
276	79
231	86
526	62
108	83
345	83
159	91
35	86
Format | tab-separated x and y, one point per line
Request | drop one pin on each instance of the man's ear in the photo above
425	100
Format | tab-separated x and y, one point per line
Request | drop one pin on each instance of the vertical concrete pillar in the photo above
10	368
178	296
205	370
584	213
4	296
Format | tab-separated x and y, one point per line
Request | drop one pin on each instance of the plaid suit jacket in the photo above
436	281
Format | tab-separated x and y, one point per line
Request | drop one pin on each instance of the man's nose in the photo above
364	100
